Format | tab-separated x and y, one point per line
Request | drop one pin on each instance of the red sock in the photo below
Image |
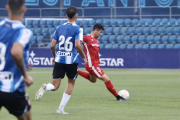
84	74
111	88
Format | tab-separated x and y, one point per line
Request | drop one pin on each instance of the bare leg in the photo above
27	116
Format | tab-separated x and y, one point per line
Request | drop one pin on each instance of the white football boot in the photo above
61	112
40	92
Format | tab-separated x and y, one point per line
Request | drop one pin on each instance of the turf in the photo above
154	95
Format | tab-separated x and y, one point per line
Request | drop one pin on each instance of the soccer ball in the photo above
124	94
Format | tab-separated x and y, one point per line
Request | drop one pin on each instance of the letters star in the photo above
32	54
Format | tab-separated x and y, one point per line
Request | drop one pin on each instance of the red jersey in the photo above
91	47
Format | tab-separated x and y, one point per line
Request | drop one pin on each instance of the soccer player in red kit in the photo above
91	47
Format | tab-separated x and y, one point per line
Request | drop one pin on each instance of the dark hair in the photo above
15	6
71	11
98	26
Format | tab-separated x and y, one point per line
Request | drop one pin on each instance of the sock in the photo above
49	87
111	88
85	75
64	101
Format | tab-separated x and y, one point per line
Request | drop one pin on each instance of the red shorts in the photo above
95	70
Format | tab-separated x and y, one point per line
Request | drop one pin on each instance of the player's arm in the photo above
53	49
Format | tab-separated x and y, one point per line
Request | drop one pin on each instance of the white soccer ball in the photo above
124	94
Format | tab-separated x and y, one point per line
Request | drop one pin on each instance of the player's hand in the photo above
30	67
85	61
28	80
53	62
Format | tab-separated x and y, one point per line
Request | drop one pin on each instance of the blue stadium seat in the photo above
153	46
130	31
160	30
49	46
113	22
139	30
55	23
119	39
134	39
122	46
107	46
149	39
127	39
169	30
104	39
29	23
164	22
142	39
33	39
108	31
40	39
172	22
142	22
49	23
44	31
172	39
112	39
87	30
178	39
134	22
178	22
116	30
22	21
78	22
157	39
160	46
115	46
51	31
105	22
99	39
145	46
56	46
127	22
99	21
92	22
84	23
120	22
176	46
37	31
42	23
130	46
101	46
176	30
63	21
153	30
138	46
169	46
123	30
165	39
145	30
157	22
32	29
149	22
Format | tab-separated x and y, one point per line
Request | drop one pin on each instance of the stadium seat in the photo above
84	23
99	39
127	22
29	23
49	46
119	39
120	22
49	23
160	46
127	39
87	31
33	39
130	31
115	46
37	31
56	46
35	45
78	22
104	39
92	22
157	22
134	22
145	30
149	22
176	46
122	46
112	39
172	39
101	46
138	46
107	46
178	39
134	39
40	39
176	30
165	39
145	46
142	39
22	21
105	22
113	22
157	39
55	23
172	22
44	31
123	30
160	30
153	30
178	22
42	23
32	29
130	46
139	30
51	31
99	21
141	22
63	21
153	46
116	31
164	22
169	46
149	39
169	30
108	31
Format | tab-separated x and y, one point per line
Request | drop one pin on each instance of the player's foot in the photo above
40	92
119	98
61	112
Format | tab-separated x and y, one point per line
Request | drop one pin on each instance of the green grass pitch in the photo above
154	95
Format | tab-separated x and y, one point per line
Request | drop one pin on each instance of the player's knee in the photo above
93	80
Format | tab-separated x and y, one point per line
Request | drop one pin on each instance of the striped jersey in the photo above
66	35
11	78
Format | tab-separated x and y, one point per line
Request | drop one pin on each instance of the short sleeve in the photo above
23	37
55	35
79	34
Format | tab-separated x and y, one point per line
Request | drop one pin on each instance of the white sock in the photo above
64	101
49	87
